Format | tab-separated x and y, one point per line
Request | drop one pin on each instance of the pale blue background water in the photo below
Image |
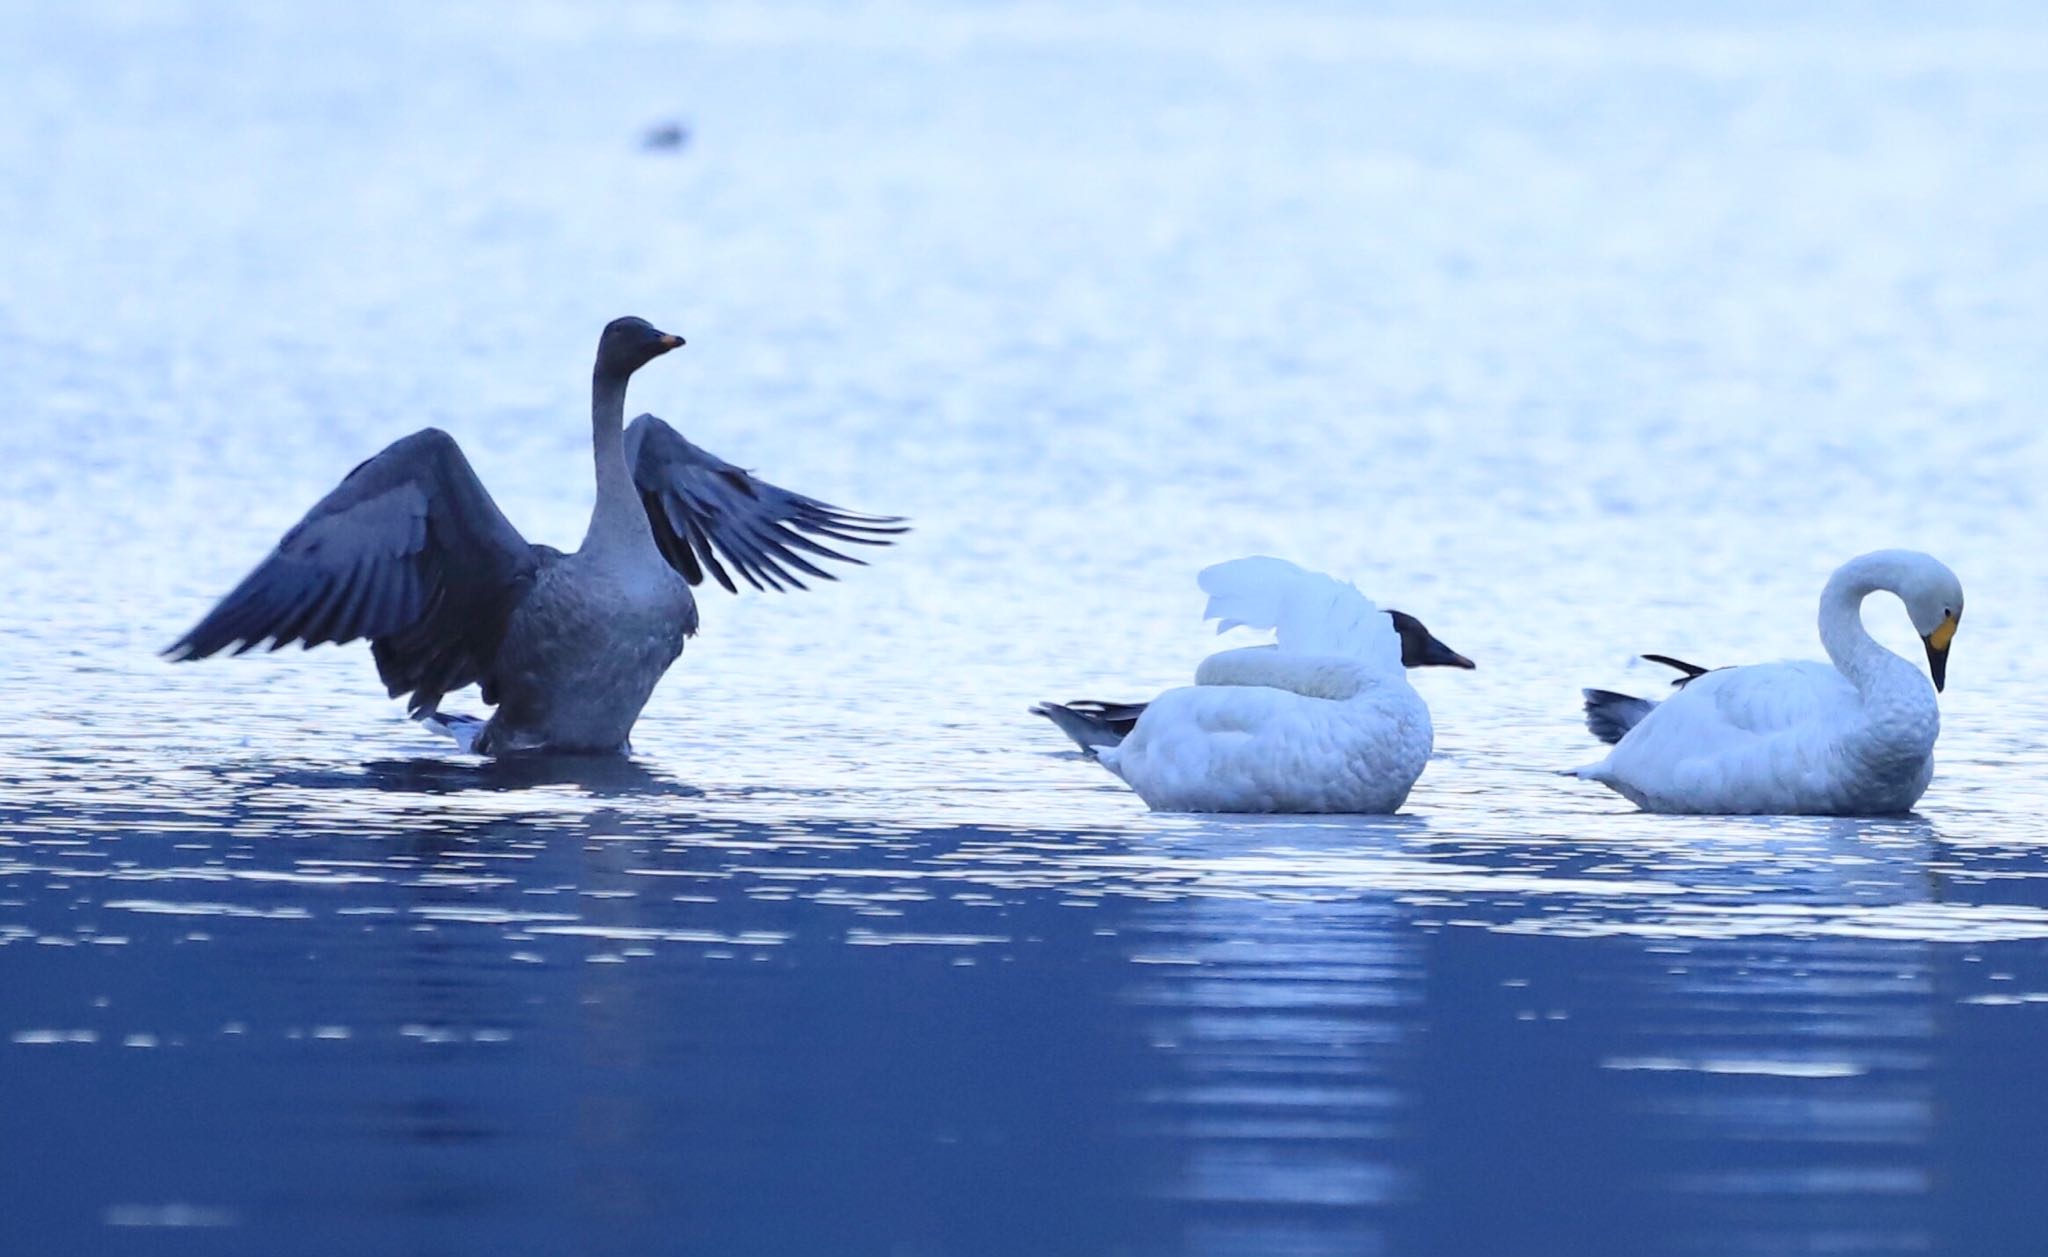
1576	329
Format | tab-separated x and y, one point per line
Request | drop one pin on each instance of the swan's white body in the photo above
1322	721
1854	737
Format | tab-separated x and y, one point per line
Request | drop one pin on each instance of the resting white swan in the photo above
1094	724
1324	720
1854	737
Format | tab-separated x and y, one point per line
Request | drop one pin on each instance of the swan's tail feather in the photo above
1092	725
1609	716
1691	670
1311	613
462	730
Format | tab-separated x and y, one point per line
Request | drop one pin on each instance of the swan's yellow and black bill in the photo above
670	342
1937	648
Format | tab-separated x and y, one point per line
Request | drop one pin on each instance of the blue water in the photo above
1575	329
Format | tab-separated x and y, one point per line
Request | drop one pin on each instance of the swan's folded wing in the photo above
1769	698
1730	707
408	551
704	509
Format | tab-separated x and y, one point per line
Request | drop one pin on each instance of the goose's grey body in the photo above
410	552
582	654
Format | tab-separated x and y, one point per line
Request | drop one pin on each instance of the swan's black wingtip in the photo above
1609	716
1088	730
1689	671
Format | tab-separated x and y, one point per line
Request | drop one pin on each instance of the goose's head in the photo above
1934	601
1421	650
629	344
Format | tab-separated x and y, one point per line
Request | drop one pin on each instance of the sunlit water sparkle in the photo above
1576	334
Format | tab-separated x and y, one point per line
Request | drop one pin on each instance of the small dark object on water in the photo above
666	136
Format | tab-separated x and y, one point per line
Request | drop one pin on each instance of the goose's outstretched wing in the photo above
408	551
704	508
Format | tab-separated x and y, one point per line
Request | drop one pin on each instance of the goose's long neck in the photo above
1896	697
617	521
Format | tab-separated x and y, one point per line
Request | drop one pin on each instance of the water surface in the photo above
1574	331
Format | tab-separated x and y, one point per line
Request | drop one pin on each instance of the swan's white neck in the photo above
1885	680
1335	677
617	520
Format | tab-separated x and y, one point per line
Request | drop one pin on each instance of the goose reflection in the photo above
595	776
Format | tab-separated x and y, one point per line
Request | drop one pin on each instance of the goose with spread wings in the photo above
410	552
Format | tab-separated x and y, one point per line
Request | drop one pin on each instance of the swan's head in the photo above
1934	601
629	344
1421	650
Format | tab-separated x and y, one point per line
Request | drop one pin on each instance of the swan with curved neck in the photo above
1852	737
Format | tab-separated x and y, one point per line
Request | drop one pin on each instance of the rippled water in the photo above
1576	332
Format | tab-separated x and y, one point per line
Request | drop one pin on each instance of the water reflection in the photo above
598	776
846	962
1287	1021
1296	1036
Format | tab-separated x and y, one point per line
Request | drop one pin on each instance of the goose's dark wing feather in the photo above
704	509
409	551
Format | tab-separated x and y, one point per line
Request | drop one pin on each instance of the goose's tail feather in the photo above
1312	613
462	730
1090	724
1609	716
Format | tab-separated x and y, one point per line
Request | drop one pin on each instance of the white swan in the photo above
1854	737
1324	720
1094	724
